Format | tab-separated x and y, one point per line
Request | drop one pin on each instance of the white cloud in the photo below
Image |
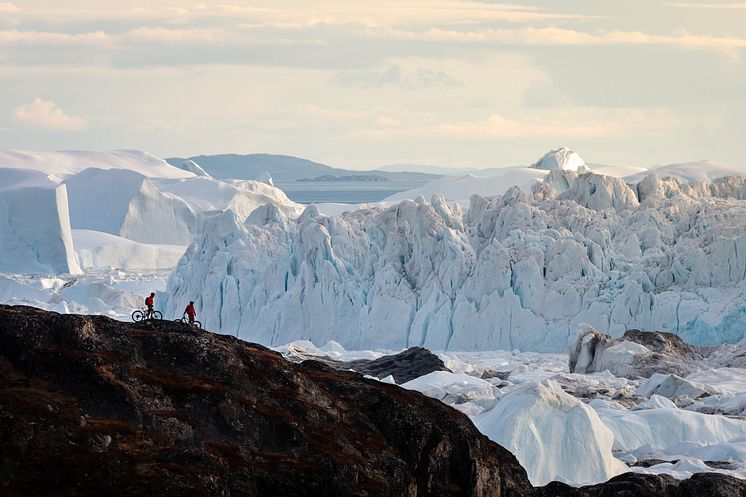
551	36
177	36
17	37
8	7
387	122
45	114
568	123
294	13
714	6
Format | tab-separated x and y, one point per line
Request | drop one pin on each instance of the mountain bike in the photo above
141	314
185	320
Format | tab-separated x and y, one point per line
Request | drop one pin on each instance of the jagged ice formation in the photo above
503	272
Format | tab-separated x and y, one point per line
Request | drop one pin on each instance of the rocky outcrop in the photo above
91	406
639	485
636	354
664	343
404	366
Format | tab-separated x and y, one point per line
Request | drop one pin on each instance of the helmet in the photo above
191	302
152	294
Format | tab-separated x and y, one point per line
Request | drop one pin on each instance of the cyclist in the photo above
190	312
149	301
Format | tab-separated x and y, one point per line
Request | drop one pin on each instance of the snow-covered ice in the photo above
98	250
505	272
562	158
578	428
62	164
554	435
467	393
129	194
35	233
461	188
127	204
492	281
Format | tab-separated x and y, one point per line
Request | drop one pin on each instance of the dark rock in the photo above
646	463
491	373
712	485
664	343
664	353
404	366
92	406
639	485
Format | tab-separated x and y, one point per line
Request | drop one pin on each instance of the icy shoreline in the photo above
580	428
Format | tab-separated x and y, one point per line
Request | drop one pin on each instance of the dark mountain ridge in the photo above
92	406
284	168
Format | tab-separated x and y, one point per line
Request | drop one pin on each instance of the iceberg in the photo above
35	233
514	271
552	434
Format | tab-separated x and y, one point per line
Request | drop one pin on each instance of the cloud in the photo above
551	36
567	123
395	75
714	6
541	93
6	7
45	114
16	37
161	35
389	76
290	13
387	122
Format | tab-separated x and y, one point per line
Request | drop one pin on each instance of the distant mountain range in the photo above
285	168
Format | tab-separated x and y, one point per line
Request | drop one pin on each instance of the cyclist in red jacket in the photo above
190	312
149	301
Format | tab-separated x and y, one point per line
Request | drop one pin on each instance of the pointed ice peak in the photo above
266	178
310	212
561	158
266	214
514	195
195	168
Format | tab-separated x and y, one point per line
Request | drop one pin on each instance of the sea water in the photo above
345	192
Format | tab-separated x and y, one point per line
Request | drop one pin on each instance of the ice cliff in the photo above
35	234
505	272
127	204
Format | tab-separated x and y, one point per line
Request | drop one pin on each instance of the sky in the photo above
361	84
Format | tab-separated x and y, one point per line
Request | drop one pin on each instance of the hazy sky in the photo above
365	83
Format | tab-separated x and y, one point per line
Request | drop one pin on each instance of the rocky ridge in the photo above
92	406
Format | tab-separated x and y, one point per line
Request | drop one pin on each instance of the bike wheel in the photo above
157	315
177	320
198	325
137	316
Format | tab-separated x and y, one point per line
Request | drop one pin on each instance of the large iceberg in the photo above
103	210
554	435
562	158
506	272
35	234
127	204
62	164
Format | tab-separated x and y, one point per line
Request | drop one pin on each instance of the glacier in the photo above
513	271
